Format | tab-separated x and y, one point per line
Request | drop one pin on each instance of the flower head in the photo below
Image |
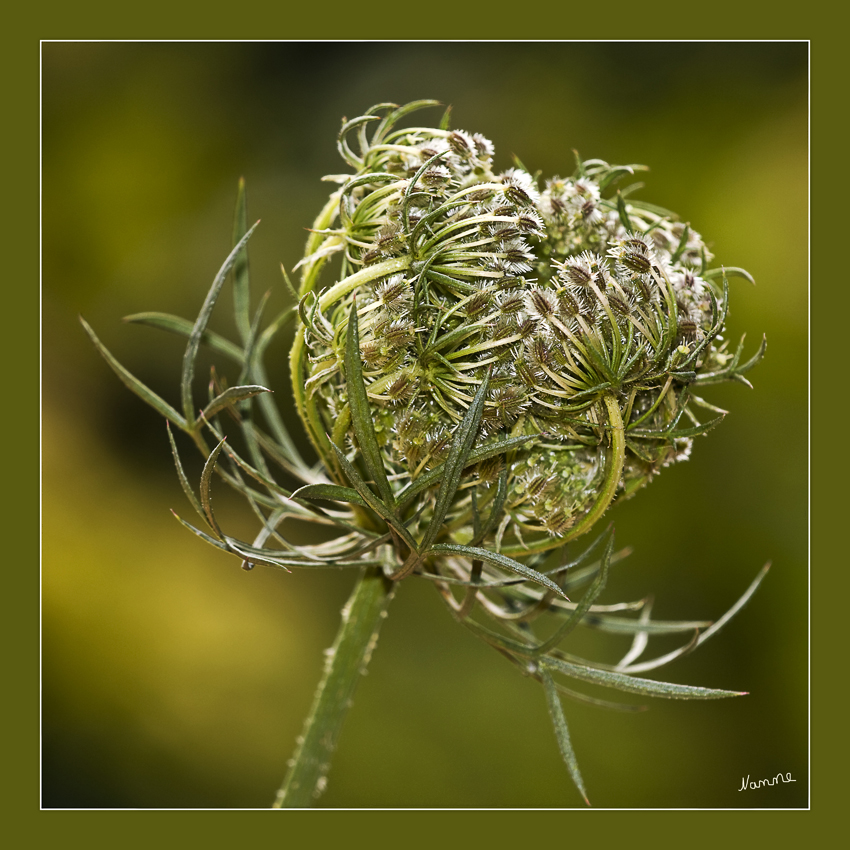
590	316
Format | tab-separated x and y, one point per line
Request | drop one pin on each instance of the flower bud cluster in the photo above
570	301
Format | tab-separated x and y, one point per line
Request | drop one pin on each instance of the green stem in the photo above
346	661
613	469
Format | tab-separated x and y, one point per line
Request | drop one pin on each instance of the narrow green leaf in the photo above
231	396
322	555
451	338
269	557
252	339
668	434
745	597
203	535
591	392
308	512
201	325
269	483
331	492
288	283
697	430
653	208
562	733
580	576
476	517
499	561
624	213
640	640
272	447
272	329
682	243
499	641
253	445
455	463
368	179
654	663
580	164
183	327
257	556
361	414
206	478
628	626
577	696
400	112
495	509
616	173
361	132
634	685
627	191
269	526
184	481
587	600
745	367
728	271
285	444
134	384
701	402
373	502
342	145
718	319
707	379
236	481
482	453
241	275
408	192
474	582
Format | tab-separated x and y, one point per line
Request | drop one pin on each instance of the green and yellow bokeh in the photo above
172	678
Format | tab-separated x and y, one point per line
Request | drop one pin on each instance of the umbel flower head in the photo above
590	318
483	362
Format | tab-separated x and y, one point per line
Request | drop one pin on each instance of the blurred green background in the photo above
173	679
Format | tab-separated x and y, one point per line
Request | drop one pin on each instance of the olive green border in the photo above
319	829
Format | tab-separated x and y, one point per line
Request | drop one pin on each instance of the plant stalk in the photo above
346	661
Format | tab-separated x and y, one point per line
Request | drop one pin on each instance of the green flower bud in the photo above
592	318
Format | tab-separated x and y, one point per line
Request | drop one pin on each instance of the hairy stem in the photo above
346	661
613	470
